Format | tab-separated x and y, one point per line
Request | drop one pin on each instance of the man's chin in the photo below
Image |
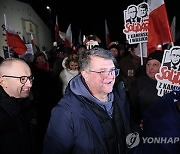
25	94
108	90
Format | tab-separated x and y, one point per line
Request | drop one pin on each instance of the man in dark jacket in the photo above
143	92
92	117
17	119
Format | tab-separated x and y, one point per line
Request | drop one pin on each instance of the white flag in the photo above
68	38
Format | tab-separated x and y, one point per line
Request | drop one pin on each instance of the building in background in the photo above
25	22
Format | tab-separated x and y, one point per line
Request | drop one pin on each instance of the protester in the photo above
18	128
161	127
143	92
70	70
57	63
80	49
56	69
117	50
44	90
130	66
41	62
92	117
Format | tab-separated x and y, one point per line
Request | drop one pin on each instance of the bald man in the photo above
18	124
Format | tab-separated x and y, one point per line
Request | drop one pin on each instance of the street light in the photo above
48	8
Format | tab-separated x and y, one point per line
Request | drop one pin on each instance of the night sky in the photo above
89	16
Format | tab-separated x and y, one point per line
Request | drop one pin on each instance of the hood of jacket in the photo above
78	87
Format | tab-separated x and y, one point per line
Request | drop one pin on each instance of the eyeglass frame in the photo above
109	72
31	78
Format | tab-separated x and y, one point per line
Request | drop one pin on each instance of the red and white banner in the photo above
68	37
107	35
13	39
159	32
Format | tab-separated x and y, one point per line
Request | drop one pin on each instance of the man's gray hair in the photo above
85	58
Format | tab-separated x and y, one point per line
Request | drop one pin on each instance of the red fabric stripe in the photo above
159	32
14	41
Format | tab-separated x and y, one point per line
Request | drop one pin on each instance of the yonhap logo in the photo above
161	140
132	140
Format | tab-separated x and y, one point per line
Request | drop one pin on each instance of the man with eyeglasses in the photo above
18	126
92	117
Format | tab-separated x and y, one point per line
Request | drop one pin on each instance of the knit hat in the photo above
114	46
157	54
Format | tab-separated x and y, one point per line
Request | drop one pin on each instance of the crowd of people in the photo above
85	101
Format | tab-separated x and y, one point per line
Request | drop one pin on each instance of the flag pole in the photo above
141	52
172	44
8	51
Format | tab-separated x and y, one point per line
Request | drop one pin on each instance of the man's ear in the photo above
2	82
84	75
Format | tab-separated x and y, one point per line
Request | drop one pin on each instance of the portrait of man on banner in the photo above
174	59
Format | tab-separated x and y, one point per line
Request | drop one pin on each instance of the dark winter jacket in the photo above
162	126
18	126
143	93
75	128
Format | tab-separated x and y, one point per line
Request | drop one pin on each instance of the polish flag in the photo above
32	39
107	35
159	32
57	36
68	37
13	39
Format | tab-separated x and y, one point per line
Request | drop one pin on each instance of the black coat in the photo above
143	94
161	121
18	126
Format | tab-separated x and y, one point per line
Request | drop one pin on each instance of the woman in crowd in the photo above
70	70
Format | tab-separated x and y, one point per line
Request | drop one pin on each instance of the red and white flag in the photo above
57	36
107	35
159	32
68	37
32	39
13	39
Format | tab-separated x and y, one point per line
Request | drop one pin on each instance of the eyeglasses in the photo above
110	72
23	79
